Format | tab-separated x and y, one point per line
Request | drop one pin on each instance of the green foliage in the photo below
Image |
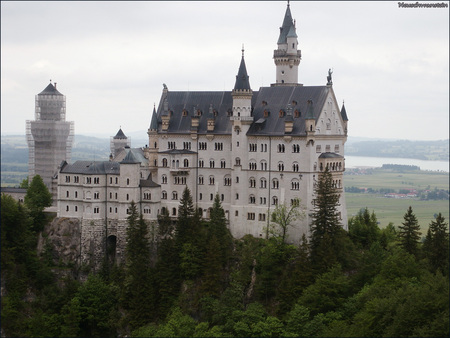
282	218
363	229
436	245
24	183
36	199
409	234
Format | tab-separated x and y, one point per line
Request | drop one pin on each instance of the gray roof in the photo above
177	151
137	153
50	90
154	121
242	82
130	158
13	190
275	99
92	168
286	27
148	183
344	113
330	155
120	135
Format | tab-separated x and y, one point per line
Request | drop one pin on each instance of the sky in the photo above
110	59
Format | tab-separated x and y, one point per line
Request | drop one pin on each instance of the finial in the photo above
50	80
242	50
288	2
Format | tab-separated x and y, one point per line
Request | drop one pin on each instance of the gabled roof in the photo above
120	135
92	167
274	98
50	90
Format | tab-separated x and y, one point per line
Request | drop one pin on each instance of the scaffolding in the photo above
49	136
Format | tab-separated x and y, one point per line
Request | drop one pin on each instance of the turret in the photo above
242	94
344	117
153	145
310	122
119	142
287	57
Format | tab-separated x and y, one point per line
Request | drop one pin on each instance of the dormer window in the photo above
264	103
282	112
266	113
185	112
296	113
199	112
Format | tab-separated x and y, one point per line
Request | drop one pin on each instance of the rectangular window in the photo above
318	148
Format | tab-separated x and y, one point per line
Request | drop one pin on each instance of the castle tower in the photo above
287	56
241	121
119	142
153	145
49	136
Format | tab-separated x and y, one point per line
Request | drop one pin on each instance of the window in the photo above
164	179
252	199
336	148
236	213
275	183
88	180
327	148
237	196
147	196
110	180
263	183
262	200
281	113
201	163
218	146
296	113
96	180
328	124
115	195
128	181
222	164
67	193
76	179
147	210
203	146
117	180
67	208
252	147
179	180
200	196
227	181
252	165
110	195
174	211
96	195
237	179
281	148
76	208
251	216
261	217
67	179
238	161
318	148
252	182
96	210
211	163
164	162
280	166
186	163
263	165
187	145
295	167
128	197
211	197
274	200
76	194
295	202
295	184
295	148
174	195
211	180
171	145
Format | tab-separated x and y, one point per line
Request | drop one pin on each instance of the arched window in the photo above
164	162
274	200
275	183
263	183
252	182
186	163
164	195
164	179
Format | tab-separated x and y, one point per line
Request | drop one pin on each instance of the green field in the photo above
391	209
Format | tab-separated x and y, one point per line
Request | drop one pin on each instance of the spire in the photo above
50	90
343	112
288	23
154	122
120	135
242	82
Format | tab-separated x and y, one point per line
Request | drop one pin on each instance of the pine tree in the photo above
409	233
218	229
326	225
138	283
185	223
436	245
36	199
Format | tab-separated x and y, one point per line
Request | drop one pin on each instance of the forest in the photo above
190	278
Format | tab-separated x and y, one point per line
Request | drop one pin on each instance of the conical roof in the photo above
154	122
120	135
344	113
50	90
285	29
242	82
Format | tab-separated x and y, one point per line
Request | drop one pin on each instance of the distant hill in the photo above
422	150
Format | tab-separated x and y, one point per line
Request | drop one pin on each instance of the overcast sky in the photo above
110	59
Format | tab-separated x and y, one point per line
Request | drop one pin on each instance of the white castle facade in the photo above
255	149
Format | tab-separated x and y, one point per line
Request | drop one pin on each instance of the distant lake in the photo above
363	161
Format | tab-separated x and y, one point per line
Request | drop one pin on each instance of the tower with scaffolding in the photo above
49	136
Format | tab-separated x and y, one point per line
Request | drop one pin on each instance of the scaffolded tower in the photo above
119	142
49	136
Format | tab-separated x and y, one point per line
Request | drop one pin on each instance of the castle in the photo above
255	149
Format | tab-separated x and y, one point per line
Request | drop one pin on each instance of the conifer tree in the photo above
436	245
36	199
185	223
326	225
218	229
138	283
409	233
